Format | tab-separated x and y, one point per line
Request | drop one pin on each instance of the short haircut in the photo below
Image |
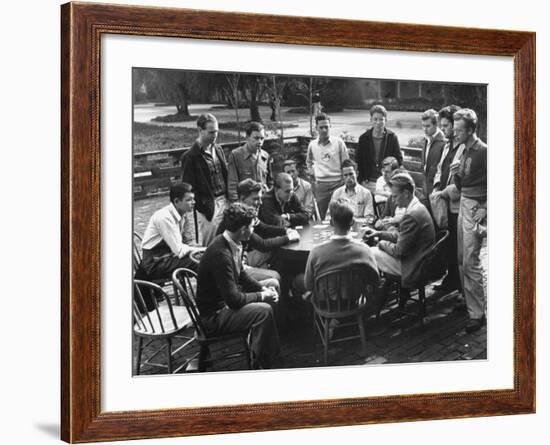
238	215
468	116
341	212
253	126
178	191
430	114
403	181
448	112
282	178
321	117
247	187
349	163
391	161
288	163
204	119
379	109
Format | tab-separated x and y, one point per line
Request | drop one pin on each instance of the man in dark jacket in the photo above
205	168
281	207
228	298
375	145
445	187
265	239
433	148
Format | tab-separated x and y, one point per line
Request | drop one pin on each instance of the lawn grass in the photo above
149	137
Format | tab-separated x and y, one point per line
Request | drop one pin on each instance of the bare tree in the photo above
176	87
232	93
253	88
306	87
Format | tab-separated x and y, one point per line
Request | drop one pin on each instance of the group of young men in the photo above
244	213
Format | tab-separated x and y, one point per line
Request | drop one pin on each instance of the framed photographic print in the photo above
284	222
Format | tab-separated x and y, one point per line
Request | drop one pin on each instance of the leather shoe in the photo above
474	324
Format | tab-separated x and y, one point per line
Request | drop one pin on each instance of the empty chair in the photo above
184	284
338	295
157	319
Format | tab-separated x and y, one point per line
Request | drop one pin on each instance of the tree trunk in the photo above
183	108
236	101
254	109
311	106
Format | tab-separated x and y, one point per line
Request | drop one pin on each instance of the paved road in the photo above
406	124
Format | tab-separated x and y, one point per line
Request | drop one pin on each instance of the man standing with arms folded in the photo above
375	145
205	168
471	180
324	161
249	161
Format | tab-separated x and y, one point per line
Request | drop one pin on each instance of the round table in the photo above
317	233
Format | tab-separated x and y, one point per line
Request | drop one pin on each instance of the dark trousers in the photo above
155	267
453	277
259	318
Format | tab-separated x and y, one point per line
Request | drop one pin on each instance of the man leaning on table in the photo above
341	251
302	188
359	197
399	252
280	207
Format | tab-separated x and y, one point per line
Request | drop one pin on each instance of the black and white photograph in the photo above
291	221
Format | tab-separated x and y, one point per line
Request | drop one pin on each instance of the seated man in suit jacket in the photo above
400	251
281	207
228	298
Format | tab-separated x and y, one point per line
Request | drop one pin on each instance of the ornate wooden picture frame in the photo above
82	27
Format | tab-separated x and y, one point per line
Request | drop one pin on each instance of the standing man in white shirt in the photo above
324	161
170	236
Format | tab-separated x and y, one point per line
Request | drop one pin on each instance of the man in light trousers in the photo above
471	180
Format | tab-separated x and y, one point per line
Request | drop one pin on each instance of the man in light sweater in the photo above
324	161
341	251
471	180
